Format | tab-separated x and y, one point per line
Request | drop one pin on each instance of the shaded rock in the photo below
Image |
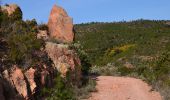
17	80
64	60
10	92
46	80
6	75
30	75
44	76
42	34
60	25
21	86
2	97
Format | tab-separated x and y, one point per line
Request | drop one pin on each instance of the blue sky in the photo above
96	10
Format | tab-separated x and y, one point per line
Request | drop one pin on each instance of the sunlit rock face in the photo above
17	80
30	75
60	25
64	59
10	9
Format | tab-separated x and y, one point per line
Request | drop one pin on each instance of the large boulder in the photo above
10	9
60	25
14	12
64	59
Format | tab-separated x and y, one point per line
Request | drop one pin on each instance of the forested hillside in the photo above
103	41
138	48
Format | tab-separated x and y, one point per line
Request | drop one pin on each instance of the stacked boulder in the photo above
61	29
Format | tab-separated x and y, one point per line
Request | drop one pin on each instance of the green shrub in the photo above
43	27
85	63
62	90
19	38
84	92
22	42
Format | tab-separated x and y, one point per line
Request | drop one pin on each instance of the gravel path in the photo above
123	88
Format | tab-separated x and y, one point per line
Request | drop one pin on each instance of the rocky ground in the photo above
123	88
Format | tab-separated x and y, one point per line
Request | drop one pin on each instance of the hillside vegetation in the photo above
21	48
138	48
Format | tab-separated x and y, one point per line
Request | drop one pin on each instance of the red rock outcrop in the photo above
17	80
25	85
64	59
17	77
10	8
60	25
30	75
8	87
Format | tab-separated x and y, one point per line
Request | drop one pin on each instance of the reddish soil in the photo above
123	88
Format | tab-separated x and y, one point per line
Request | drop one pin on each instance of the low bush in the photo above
64	90
20	39
85	63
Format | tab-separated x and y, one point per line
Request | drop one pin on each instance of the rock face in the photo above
30	75
23	85
64	59
60	25
1	90
10	8
17	79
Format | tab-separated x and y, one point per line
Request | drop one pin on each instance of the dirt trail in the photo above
123	88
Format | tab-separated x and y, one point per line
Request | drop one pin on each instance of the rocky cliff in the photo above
65	60
10	9
19	83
